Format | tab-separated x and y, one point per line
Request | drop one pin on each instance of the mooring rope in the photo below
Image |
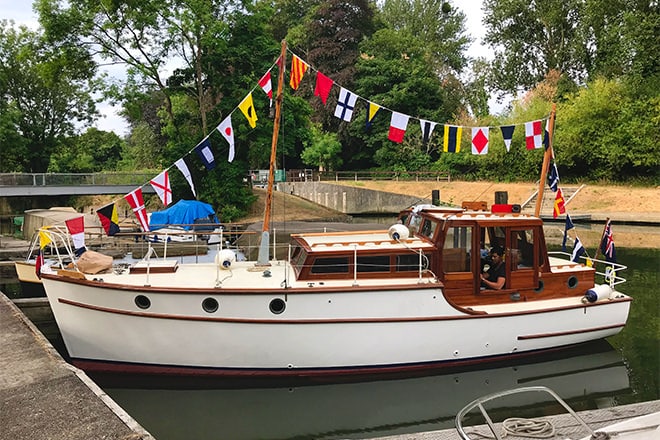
539	428
521	427
531	428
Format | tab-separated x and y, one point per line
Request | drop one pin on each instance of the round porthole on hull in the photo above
572	282
142	302
210	305
277	306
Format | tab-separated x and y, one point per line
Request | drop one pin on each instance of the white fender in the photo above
225	258
398	232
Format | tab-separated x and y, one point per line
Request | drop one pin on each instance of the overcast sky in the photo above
21	12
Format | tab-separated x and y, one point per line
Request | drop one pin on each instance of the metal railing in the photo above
612	271
74	179
385	175
479	403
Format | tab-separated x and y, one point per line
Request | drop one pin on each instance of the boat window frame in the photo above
463	241
372	267
344	263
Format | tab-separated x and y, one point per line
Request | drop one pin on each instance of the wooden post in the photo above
265	238
546	161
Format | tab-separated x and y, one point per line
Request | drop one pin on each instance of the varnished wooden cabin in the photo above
446	245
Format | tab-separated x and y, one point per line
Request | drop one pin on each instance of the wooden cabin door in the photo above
522	259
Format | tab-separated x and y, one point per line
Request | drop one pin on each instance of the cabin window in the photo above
522	249
414	223
410	262
428	228
330	265
373	263
456	251
495	237
298	257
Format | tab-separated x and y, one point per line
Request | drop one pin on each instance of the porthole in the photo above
210	305
277	306
540	287
572	282
142	302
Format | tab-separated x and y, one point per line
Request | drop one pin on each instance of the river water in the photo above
621	370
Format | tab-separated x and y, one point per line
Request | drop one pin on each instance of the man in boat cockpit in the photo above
495	276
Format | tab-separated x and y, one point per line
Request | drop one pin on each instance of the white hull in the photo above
336	328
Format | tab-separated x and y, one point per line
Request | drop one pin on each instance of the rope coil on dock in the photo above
531	428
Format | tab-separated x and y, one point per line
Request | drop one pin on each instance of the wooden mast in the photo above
546	161
265	237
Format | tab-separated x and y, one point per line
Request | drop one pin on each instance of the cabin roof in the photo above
348	241
485	217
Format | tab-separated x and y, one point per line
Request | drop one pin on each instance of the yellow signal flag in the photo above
247	107
44	239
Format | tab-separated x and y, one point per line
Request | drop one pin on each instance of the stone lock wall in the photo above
349	199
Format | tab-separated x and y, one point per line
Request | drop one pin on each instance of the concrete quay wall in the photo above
43	397
350	200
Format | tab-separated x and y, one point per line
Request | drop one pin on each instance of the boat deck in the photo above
241	275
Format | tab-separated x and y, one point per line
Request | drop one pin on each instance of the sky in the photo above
21	12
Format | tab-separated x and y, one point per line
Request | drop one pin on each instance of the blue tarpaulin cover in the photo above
183	212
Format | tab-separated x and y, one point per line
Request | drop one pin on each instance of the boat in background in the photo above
398	300
185	221
31	285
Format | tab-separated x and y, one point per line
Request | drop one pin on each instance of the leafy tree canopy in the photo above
46	90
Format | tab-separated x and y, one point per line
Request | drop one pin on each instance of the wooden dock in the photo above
566	427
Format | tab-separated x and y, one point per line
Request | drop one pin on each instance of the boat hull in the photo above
329	332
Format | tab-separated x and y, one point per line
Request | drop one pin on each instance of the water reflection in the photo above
587	377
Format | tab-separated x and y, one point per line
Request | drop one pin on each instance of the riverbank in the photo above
622	204
624	201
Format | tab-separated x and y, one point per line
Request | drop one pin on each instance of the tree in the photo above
323	151
584	40
14	146
141	149
394	72
47	90
92	151
133	33
530	39
608	132
437	24
332	33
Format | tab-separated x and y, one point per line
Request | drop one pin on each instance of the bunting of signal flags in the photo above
535	137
